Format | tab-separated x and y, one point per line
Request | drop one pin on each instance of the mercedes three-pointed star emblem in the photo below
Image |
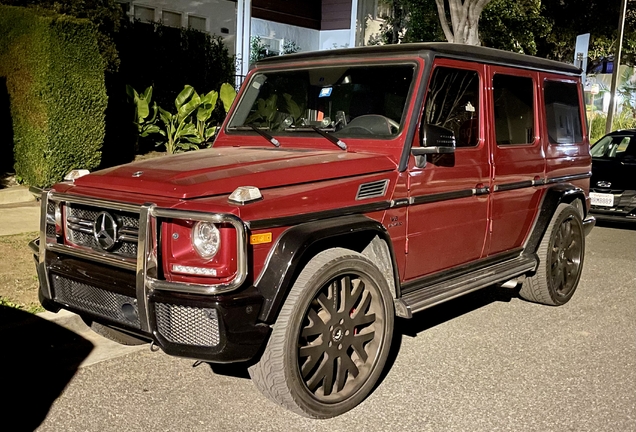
105	230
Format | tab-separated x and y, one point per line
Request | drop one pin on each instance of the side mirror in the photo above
435	140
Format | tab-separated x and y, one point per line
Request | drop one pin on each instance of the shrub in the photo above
625	119
55	81
165	58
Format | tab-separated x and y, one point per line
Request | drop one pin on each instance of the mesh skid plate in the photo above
97	301
188	325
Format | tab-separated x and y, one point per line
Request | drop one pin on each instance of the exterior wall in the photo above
304	13
218	14
306	39
332	39
336	15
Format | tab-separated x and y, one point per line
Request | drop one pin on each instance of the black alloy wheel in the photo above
332	337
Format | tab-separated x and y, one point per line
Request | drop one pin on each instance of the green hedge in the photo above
55	81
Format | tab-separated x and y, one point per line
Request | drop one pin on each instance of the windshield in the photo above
356	101
613	146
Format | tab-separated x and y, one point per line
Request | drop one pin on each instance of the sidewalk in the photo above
20	213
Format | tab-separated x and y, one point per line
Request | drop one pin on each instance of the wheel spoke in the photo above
316	326
346	367
327	304
313	354
358	344
355	295
324	375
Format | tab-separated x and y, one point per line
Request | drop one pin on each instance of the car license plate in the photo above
601	199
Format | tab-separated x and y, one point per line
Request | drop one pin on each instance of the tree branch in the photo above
441	11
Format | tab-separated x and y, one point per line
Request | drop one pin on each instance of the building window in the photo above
172	19
562	112
125	8
144	14
197	23
514	109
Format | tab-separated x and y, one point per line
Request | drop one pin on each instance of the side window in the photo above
562	112
453	103
514	109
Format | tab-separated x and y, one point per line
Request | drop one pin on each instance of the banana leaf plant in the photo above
178	129
143	121
205	131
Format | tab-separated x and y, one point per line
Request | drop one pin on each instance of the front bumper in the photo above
221	329
216	323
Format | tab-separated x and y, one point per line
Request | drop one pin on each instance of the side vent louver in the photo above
372	190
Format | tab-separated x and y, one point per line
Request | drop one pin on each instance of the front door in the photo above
448	215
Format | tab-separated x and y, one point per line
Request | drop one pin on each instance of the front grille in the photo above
188	325
80	229
97	301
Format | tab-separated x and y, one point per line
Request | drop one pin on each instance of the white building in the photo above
311	24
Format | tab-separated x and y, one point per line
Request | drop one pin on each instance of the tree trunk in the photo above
464	19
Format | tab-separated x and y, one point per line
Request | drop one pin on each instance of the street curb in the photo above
16	194
65	319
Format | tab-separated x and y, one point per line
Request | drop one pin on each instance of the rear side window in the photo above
453	103
562	112
514	109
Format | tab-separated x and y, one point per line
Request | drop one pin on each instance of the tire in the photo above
561	254
332	337
113	334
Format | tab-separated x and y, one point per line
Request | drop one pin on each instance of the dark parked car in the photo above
613	184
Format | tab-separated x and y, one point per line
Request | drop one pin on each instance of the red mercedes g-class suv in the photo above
345	188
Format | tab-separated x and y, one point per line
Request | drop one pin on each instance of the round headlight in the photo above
206	239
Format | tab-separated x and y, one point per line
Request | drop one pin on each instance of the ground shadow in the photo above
452	309
37	359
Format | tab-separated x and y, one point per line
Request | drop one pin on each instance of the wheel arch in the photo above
554	195
299	244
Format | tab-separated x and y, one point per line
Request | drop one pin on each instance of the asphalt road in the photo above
486	362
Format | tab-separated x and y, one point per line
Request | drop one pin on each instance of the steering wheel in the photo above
372	124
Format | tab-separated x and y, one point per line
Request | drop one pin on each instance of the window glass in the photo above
615	146
144	14
453	103
562	112
356	101
197	23
514	109
171	19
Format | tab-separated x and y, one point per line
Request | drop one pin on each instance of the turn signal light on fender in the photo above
260	238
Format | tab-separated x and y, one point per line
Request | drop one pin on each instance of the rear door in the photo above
518	156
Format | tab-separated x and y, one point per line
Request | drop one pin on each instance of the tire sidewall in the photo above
356	264
565	211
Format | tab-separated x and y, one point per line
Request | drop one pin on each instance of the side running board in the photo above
435	294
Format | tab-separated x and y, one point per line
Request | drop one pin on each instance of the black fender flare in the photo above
561	193
292	248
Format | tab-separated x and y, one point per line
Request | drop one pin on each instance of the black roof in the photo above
443	49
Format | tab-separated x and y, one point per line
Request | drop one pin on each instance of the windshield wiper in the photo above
331	138
259	131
